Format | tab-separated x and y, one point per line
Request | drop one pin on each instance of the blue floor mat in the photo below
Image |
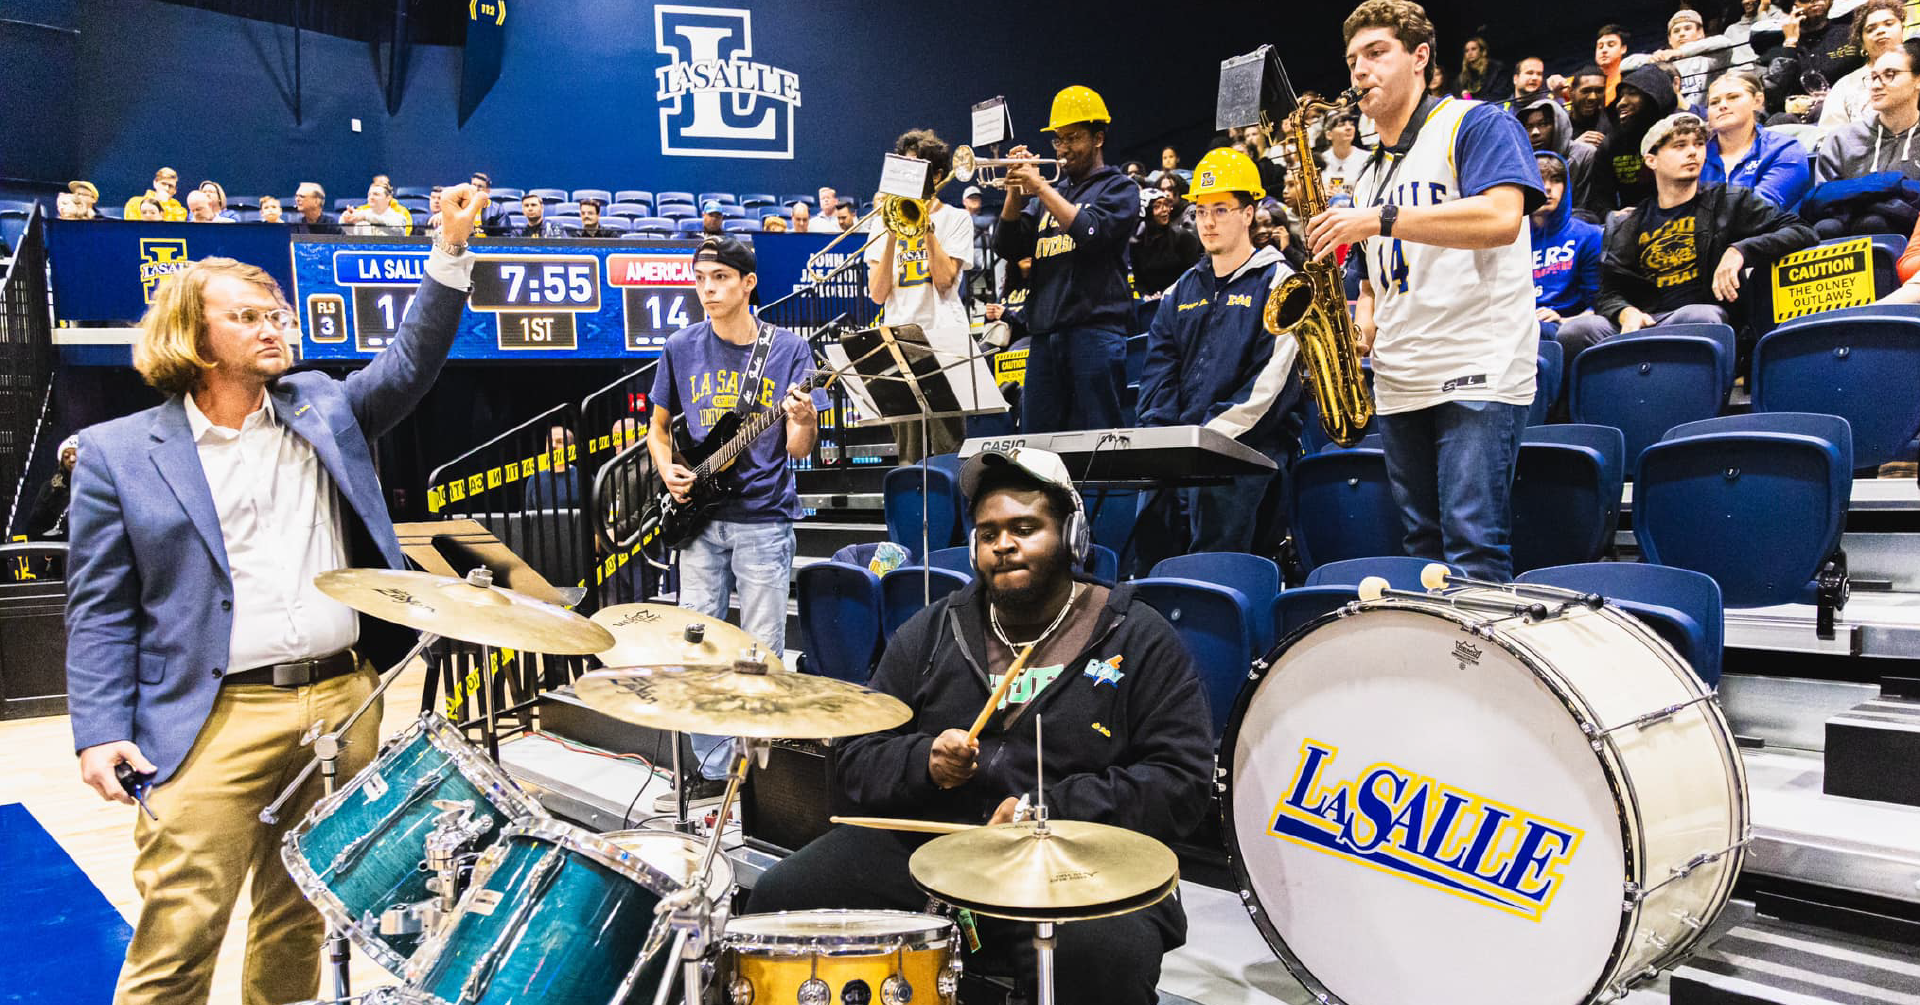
64	942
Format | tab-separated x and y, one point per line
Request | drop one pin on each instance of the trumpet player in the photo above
916	280
1080	305
1439	215
1210	361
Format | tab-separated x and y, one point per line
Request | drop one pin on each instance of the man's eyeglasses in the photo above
1886	79
251	316
1218	212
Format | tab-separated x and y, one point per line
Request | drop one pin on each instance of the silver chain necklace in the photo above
993	618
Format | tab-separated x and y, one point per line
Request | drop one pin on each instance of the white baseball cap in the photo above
1044	466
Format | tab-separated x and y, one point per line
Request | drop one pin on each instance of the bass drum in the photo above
1433	800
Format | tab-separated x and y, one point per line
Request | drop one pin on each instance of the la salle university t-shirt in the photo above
699	377
1668	258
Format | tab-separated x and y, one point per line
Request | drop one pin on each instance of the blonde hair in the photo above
169	353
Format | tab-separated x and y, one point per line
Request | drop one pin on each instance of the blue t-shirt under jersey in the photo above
699	377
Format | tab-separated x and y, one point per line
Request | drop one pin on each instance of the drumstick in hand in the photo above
1000	693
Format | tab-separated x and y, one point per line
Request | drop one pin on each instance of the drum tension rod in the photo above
1637	895
1597	736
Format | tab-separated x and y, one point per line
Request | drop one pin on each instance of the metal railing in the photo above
26	359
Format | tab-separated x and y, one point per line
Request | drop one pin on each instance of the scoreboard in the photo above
553	299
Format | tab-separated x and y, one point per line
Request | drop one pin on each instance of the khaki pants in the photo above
189	864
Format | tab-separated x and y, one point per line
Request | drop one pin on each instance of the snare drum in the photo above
555	915
362	850
852	957
1436	802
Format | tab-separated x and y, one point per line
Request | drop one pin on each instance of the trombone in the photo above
967	167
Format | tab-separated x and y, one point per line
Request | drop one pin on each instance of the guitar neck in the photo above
750	431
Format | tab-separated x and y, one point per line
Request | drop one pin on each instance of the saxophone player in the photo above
1210	361
1446	301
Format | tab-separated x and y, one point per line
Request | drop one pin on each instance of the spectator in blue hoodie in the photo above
1743	152
1566	252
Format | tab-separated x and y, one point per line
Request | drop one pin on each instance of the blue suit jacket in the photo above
150	596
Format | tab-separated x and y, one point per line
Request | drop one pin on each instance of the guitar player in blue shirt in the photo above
748	543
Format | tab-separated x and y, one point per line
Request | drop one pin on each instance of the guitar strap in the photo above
756	368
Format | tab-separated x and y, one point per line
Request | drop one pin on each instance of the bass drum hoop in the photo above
1619	783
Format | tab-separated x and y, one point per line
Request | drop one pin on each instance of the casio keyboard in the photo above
1169	455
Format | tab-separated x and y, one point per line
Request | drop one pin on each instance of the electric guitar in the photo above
678	523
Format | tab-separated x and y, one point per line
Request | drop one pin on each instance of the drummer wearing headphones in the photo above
1128	740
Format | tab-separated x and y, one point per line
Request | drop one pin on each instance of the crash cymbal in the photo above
1074	871
458	609
665	635
727	702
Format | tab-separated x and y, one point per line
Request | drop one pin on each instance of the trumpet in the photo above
967	167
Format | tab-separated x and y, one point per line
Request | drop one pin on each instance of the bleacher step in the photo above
1769	962
1871	751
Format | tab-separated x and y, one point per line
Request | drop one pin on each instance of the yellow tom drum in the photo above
841	958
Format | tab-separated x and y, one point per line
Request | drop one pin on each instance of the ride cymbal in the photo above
724	701
457	609
1073	871
665	635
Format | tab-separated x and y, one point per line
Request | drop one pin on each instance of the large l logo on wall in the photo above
714	100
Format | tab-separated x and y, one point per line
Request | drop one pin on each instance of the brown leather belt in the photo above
299	673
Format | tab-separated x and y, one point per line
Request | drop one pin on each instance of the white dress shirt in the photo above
281	519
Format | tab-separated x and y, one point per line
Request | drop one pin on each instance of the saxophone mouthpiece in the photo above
1352	95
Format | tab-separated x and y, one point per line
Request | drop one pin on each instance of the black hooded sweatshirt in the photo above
1830	52
1134	751
1622	178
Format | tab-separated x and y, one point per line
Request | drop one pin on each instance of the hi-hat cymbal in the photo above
1075	871
727	702
456	609
657	635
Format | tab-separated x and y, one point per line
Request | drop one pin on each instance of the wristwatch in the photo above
1389	212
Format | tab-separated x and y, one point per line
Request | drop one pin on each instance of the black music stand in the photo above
896	374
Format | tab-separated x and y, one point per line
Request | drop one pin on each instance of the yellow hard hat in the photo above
1077	104
1225	170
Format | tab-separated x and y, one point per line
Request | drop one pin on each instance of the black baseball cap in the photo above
727	250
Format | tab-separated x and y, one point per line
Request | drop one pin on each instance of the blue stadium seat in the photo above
905	504
726	197
839	619
1563	503
732	212
958	558
418	204
1136	358
500	195
1547	381
627	209
1684	607
563	209
766	211
657	224
755	199
111	212
549	195
1862	365
905	591
1211	621
412	192
1255	576
689	225
567	223
1343	508
1103	564
1402	572
633	195
740	226
1112	513
516	221
1611	444
812	201
677	210
346	202
583	194
856	554
1296	608
1143	314
1721	334
247	215
1644	385
686	197
1755	501
619	223
240	202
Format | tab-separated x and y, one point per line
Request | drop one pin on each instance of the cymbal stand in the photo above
1043	941
326	751
692	915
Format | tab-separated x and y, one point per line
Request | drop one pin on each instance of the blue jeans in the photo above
1074	377
1230	516
757	559
1451	470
